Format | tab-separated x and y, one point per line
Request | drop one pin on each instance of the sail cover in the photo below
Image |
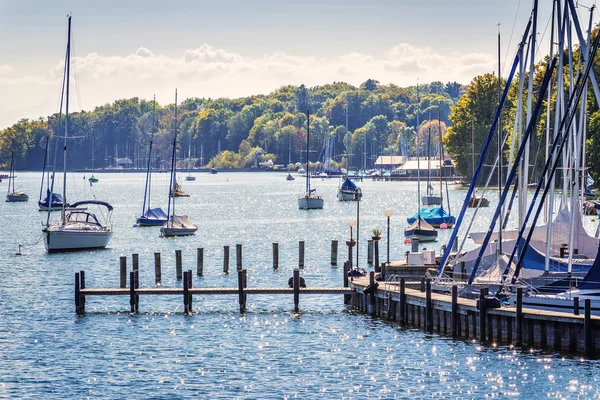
155	214
433	215
180	222
348	185
422	225
592	278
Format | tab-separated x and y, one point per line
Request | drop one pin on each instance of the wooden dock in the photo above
526	328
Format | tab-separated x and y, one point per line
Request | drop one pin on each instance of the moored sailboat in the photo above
151	216
176	225
78	228
310	200
14	194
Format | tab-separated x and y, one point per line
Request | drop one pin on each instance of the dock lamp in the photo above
351	224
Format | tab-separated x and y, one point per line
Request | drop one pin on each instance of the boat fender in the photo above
371	288
490	301
291	282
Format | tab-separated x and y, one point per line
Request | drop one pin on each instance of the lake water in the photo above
326	351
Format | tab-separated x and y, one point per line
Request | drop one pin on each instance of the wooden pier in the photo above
450	315
187	291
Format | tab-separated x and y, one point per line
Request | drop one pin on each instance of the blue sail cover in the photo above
348	185
55	199
434	216
592	278
535	260
153	216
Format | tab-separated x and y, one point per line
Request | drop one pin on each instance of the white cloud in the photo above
211	72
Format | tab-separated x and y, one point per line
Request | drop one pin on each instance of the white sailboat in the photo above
189	176
78	228
14	194
176	225
310	200
289	175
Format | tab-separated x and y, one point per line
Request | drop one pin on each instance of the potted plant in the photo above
376	234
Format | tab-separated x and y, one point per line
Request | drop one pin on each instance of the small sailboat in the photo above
14	194
430	197
189	176
151	216
289	176
78	228
348	191
419	228
310	200
93	178
176	225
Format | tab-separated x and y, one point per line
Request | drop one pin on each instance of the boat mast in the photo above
307	146
68	61
418	167
172	183
148	173
45	160
500	143
11	174
441	161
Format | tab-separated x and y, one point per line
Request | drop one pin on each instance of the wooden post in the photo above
245	281
576	305
428	307
157	272
77	296
371	307
123	267
376	246
226	259
587	328
334	251
135	262
178	266
238	256
346	270
189	282
370	252
519	322
482	315
296	282
422	284
454	316
241	291
402	301
275	255
301	255
186	293
132	291
200	262
136	280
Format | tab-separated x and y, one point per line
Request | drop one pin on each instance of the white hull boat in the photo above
310	202
16	197
178	225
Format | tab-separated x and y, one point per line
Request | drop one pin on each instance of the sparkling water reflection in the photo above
325	351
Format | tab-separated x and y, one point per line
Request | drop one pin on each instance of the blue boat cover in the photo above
348	185
56	198
155	213
592	278
434	215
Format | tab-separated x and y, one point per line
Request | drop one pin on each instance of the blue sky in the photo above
235	48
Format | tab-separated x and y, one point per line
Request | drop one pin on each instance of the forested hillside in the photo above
381	119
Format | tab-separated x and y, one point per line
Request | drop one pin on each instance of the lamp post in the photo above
357	228
351	224
388	213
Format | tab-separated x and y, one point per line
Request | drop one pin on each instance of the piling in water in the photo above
370	252
123	268
275	255
200	262
157	271
334	251
226	259
178	265
238	256
301	255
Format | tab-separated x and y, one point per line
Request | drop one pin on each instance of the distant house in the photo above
124	162
390	162
412	166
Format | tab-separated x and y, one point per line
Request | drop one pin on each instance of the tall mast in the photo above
68	61
441	160
148	173
173	165
500	142
418	166
307	142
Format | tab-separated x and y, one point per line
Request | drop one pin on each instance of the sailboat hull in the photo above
310	203
60	239
349	195
16	197
424	235
431	200
43	206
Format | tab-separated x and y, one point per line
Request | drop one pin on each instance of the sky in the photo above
233	48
